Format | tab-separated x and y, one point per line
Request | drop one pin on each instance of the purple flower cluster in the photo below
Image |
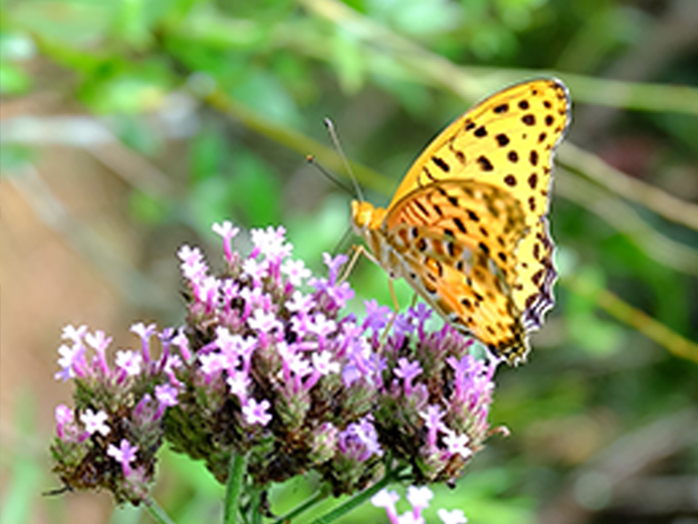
109	439
434	399
269	365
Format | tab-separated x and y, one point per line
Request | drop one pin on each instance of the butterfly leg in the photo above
415	296
357	252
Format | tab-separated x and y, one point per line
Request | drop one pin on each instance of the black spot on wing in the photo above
533	180
533	157
441	163
529	119
485	163
502	139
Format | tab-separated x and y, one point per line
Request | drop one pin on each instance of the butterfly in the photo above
468	228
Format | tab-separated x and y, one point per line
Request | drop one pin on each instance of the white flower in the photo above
95	422
454	516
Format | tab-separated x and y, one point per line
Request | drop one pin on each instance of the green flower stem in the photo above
305	506
233	488
355	501
255	502
158	513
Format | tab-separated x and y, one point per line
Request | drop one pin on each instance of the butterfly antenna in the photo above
311	160
335	139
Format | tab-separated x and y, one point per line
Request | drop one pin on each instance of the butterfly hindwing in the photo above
475	300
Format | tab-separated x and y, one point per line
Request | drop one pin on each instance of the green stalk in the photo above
305	506
158	513
233	488
354	502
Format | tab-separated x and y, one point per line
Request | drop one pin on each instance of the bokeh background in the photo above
128	127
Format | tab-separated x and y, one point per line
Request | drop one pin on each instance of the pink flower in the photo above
124	454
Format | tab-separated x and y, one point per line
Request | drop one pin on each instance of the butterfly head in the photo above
365	217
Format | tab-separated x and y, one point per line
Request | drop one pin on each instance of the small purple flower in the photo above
69	357
457	444
433	421
193	266
206	292
226	230
211	364
271	243
360	365
334	265
407	371
95	422
321	325
360	441
182	342
403	326
322	365
299	367
145	333
295	271
130	362
255	269
300	302
64	415
144	410
376	315
263	322
100	342
256	412
166	396
420	313
124	455
238	382
74	334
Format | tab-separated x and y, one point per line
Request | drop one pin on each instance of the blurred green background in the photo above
128	127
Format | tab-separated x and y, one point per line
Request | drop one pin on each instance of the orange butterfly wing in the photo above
459	240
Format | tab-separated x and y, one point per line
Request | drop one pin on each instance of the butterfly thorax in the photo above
369	223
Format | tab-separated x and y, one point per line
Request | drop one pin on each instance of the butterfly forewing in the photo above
513	132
